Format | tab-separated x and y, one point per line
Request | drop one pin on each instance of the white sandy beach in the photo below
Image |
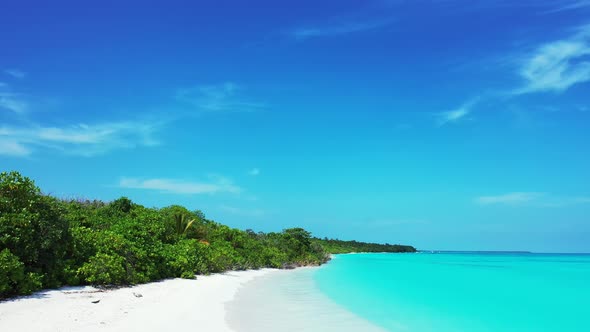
170	305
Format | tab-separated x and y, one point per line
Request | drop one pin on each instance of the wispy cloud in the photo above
254	171
12	148
569	5
96	139
84	140
216	184
457	114
26	136
224	97
532	198
551	67
557	65
509	198
16	73
536	6
338	28
13	102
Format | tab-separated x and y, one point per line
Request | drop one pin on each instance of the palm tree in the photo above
182	225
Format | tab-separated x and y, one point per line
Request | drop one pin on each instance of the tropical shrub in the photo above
32	227
104	269
13	278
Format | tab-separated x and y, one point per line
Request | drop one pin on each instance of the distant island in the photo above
46	242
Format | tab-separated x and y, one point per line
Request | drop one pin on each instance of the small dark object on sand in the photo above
95	302
137	295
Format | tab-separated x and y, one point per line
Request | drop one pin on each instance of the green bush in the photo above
32	227
273	257
185	259
13	278
220	256
104	269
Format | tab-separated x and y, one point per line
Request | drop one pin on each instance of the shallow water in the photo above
463	292
422	293
289	300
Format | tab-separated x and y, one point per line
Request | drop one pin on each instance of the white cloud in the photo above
218	98
85	140
552	67
15	73
254	171
558	65
510	198
91	140
12	102
338	28
571	5
456	114
12	148
215	185
532	198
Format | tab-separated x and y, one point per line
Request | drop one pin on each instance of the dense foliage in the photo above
343	247
46	242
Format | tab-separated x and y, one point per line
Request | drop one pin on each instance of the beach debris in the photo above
137	294
95	302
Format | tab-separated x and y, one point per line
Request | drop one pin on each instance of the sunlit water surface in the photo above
471	292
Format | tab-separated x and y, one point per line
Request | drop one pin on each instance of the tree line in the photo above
334	246
47	242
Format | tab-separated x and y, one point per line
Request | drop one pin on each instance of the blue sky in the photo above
442	124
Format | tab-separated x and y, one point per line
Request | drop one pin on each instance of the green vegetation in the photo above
343	247
47	243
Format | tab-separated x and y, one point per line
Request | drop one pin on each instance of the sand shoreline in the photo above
290	300
169	304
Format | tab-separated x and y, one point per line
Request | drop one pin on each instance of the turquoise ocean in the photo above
423	292
471	292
